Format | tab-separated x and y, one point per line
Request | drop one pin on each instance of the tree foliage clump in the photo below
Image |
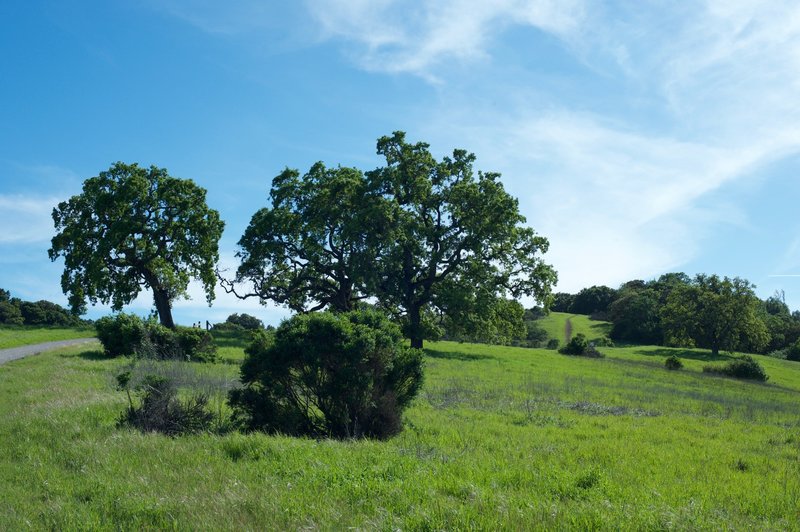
14	311
422	236
128	335
134	227
339	375
245	321
714	313
580	346
744	367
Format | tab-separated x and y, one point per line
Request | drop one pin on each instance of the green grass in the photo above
555	325
17	336
500	437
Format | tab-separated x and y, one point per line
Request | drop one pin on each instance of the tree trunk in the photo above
415	326
164	308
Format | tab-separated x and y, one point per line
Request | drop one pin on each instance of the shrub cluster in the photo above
745	367
346	375
580	346
160	410
673	363
127	334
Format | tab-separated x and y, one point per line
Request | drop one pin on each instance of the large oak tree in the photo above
714	313
453	228
133	228
409	235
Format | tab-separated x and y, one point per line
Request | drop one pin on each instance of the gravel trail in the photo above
14	353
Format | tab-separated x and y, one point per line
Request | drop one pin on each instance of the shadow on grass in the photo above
88	355
455	355
690	354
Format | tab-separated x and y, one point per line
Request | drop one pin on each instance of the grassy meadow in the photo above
499	437
555	324
15	336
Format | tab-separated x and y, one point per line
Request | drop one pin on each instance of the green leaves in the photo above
409	234
715	313
133	227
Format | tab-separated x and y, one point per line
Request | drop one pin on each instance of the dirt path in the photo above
568	331
14	353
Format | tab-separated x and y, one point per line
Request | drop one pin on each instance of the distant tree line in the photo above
706	311
14	311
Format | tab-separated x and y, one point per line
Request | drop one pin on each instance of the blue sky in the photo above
639	137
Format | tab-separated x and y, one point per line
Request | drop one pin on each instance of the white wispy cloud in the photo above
26	219
404	36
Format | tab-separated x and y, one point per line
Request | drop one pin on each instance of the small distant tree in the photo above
245	321
134	227
714	313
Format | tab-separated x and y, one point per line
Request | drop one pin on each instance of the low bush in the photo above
120	334
793	352
553	343
745	367
160	410
603	341
346	375
576	346
129	335
580	346
673	363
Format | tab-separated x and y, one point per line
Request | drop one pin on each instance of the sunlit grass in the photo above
500	437
17	336
555	324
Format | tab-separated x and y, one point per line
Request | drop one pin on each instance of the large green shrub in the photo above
576	346
345	375
580	346
120	334
745	367
128	335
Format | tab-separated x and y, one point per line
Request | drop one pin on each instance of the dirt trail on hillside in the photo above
568	331
7	355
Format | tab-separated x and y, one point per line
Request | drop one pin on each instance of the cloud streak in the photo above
26	219
417	37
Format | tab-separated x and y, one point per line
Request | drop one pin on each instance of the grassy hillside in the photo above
17	336
500	437
556	323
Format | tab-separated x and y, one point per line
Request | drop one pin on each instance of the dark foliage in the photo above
592	300
673	363
580	346
128	335
745	367
14	311
345	375
576	346
245	321
10	314
161	410
562	302
553	343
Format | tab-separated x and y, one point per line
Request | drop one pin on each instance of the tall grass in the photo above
499	438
